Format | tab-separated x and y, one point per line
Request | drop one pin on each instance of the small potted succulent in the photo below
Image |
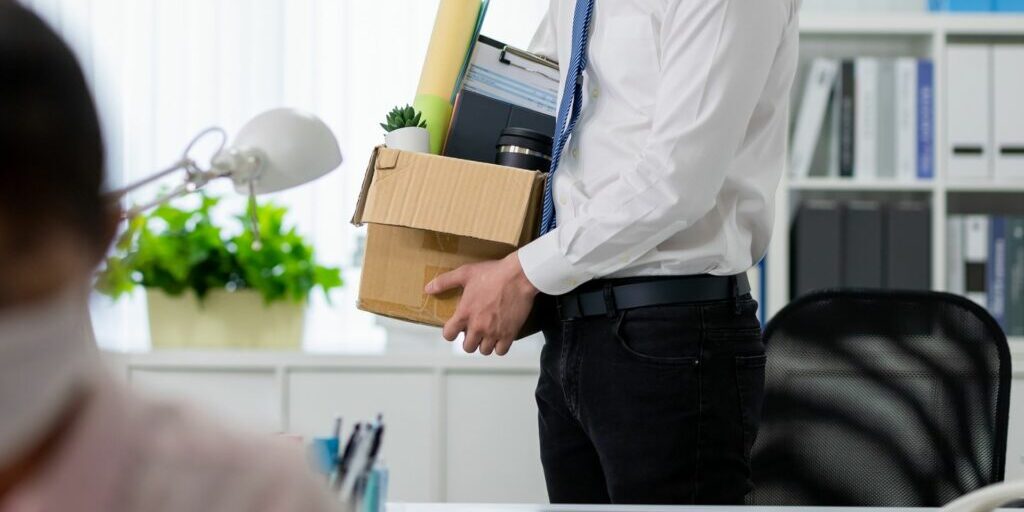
406	130
207	287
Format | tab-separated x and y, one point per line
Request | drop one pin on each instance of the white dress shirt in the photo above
673	167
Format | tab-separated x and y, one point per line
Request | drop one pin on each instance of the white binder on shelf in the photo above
906	119
1008	117
968	102
975	255
820	81
866	115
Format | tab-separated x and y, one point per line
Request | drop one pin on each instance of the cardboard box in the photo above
430	214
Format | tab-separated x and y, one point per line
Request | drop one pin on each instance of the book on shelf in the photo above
906	118
816	253
866	118
988	267
955	280
986	111
968	105
832	6
813	107
847	93
1008	111
861	244
866	90
1015	276
925	119
908	242
863	254
996	272
976	258
977	5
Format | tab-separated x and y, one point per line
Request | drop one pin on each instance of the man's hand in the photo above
496	300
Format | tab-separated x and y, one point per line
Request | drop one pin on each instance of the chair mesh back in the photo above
881	399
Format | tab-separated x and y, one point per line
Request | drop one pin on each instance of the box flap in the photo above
447	195
357	216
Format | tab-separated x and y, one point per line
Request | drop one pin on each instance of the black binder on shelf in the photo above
908	243
817	247
862	239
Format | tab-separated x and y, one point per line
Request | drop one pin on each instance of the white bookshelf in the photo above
900	24
923	35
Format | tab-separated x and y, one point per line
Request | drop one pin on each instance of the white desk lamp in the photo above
276	150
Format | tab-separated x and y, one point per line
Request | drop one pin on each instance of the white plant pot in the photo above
407	337
409	139
237	320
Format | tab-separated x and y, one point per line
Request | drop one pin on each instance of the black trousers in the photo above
655	405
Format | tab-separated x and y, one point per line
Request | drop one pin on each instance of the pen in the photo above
346	455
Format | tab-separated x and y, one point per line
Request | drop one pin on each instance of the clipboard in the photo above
512	75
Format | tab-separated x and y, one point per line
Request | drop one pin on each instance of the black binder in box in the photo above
479	120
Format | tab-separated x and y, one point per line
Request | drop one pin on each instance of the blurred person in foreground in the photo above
70	437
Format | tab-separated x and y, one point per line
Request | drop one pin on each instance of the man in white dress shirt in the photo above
653	370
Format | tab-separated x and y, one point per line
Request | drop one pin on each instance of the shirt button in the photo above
563	201
595	92
576	152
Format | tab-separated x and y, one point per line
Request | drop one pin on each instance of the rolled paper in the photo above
454	30
449	43
437	112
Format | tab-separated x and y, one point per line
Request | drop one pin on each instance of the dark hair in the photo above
51	149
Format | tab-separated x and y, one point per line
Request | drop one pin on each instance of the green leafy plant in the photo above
403	117
176	250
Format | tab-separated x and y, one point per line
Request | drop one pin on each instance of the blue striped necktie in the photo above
572	99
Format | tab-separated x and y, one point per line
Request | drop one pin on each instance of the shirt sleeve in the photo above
717	56
545	39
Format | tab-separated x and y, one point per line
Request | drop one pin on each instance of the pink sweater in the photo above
130	454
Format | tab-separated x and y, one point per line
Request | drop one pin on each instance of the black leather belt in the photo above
612	297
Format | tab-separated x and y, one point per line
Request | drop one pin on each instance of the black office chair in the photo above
881	398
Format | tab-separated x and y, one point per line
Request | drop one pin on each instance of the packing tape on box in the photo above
444	303
440	242
438	308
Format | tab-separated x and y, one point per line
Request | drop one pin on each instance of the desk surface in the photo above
464	507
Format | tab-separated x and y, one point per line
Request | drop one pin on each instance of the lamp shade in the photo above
290	147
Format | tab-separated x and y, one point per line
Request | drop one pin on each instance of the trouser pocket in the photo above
750	371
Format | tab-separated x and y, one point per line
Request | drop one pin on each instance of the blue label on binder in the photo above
1009	5
961	5
925	120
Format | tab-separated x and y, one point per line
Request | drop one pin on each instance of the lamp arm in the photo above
119	194
176	192
195	178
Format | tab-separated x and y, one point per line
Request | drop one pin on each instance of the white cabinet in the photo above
406	398
491	439
244	399
460	429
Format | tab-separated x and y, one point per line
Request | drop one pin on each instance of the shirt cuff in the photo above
547	268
